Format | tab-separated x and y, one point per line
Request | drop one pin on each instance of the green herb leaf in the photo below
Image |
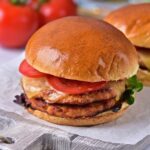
129	92
133	85
139	86
130	100
132	80
128	96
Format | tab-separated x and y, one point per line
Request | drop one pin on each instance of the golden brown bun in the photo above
82	48
134	22
144	76
99	119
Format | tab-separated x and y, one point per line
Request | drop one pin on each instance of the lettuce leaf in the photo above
133	86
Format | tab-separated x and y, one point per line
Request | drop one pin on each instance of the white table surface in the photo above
8	54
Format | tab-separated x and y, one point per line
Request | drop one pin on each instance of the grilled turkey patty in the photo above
71	111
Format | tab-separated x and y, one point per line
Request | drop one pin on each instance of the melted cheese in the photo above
34	86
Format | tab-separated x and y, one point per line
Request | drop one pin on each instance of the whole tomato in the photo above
17	24
4	1
56	9
35	4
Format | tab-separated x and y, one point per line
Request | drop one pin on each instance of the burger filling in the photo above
74	99
144	58
41	88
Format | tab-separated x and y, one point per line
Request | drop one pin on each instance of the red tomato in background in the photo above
4	1
33	4
56	9
17	24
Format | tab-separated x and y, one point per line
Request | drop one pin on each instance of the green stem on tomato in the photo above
18	2
42	1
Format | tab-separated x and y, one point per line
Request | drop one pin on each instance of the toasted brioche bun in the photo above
101	118
134	22
144	76
81	48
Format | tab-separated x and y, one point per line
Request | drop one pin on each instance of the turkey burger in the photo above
79	71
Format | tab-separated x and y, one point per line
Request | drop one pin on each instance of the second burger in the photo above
134	22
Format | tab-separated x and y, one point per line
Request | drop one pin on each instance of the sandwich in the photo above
79	71
134	22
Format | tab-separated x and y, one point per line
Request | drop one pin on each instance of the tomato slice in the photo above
29	71
73	86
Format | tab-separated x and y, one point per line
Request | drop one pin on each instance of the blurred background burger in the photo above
134	22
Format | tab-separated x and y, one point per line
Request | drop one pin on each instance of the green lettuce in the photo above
133	86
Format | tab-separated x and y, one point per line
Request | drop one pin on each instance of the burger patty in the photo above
71	111
40	88
81	99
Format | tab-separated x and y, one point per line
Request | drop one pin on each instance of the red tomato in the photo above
17	24
29	71
3	1
35	4
56	9
72	86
